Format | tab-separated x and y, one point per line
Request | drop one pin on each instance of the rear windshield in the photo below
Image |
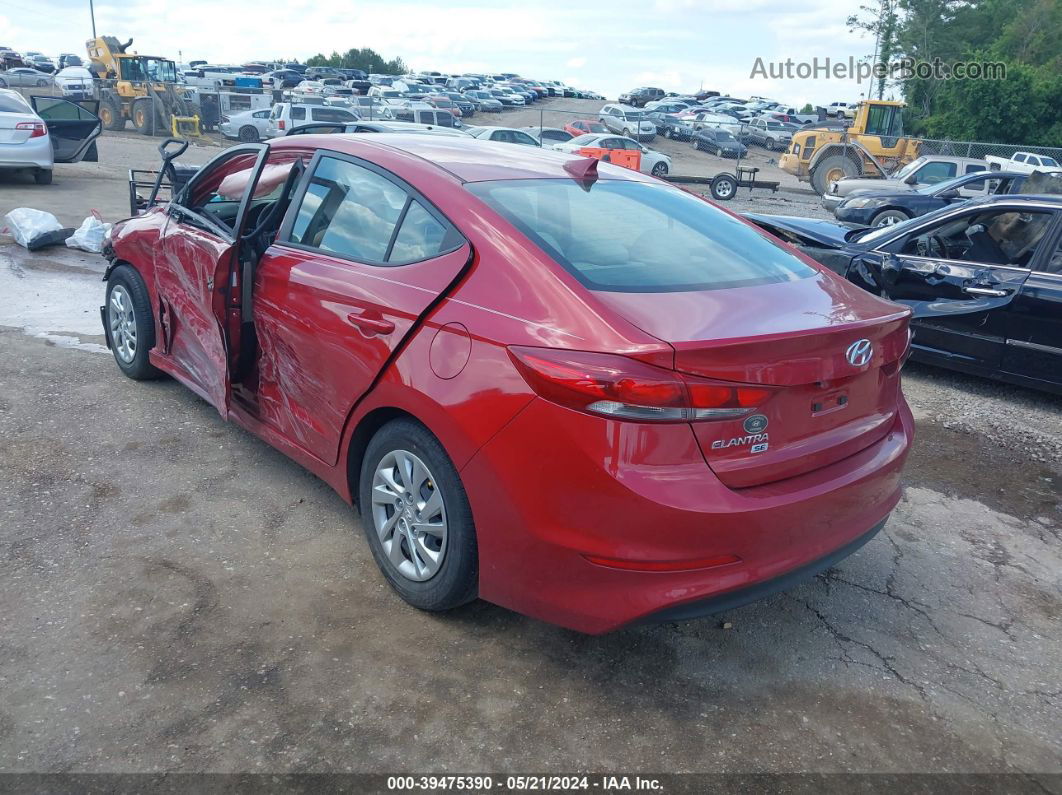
636	237
12	103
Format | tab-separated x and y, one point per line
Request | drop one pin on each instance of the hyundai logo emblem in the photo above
859	353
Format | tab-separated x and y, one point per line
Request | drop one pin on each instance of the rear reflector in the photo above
664	565
624	388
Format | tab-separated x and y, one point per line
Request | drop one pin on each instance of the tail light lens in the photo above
281	125
37	128
624	388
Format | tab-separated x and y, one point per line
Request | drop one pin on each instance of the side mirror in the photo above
911	180
950	194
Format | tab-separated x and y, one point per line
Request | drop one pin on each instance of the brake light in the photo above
625	388
37	127
281	125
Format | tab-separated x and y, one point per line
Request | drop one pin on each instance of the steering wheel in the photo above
932	246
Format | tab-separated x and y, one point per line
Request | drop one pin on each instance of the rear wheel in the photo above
42	83
130	323
3	83
889	217
417	519
248	134
43	176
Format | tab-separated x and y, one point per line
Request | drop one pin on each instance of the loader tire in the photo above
143	114
830	169
111	115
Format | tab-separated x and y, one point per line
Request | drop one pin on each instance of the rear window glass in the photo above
636	237
10	103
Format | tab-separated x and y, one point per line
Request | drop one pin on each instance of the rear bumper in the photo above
731	600
32	153
641	493
831	200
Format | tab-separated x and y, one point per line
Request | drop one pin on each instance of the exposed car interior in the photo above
998	237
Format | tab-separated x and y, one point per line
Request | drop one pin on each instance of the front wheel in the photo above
42	83
660	170
3	83
416	517
130	323
889	217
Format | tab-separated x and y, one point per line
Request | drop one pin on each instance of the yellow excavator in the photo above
872	146
142	89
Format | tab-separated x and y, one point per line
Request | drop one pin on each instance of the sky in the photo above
609	47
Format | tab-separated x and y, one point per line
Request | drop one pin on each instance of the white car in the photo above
51	131
652	162
286	115
505	135
249	126
76	82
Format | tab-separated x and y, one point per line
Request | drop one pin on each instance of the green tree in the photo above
364	58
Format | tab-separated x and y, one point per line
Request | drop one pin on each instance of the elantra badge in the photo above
859	353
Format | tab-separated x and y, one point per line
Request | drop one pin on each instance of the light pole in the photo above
92	13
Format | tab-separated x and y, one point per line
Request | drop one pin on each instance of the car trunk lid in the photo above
9	132
826	403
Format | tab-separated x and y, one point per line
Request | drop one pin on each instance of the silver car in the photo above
628	121
24	76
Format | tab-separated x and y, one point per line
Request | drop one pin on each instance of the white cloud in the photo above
576	63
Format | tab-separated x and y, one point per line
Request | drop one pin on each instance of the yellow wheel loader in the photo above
874	145
142	89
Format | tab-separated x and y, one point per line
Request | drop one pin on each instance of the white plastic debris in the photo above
27	224
90	235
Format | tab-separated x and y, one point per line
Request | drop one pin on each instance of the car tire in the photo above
889	217
130	323
3	83
660	169
405	459
43	176
719	151
248	134
768	145
42	84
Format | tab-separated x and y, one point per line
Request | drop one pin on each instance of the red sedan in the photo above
560	386
584	126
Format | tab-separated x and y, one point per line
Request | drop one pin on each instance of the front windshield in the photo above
909	168
626	236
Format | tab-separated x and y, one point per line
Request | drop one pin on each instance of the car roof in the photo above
467	160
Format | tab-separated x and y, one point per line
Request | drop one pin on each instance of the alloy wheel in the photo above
409	515
122	320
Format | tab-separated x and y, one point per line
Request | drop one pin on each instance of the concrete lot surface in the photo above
176	596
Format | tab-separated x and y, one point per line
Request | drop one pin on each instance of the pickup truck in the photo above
801	118
1023	162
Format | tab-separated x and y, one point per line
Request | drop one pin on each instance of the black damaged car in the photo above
983	278
891	206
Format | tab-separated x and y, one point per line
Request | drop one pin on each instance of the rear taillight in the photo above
38	129
281	125
625	388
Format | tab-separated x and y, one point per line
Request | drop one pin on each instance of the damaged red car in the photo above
563	387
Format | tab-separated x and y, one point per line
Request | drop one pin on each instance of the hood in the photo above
846	187
825	233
